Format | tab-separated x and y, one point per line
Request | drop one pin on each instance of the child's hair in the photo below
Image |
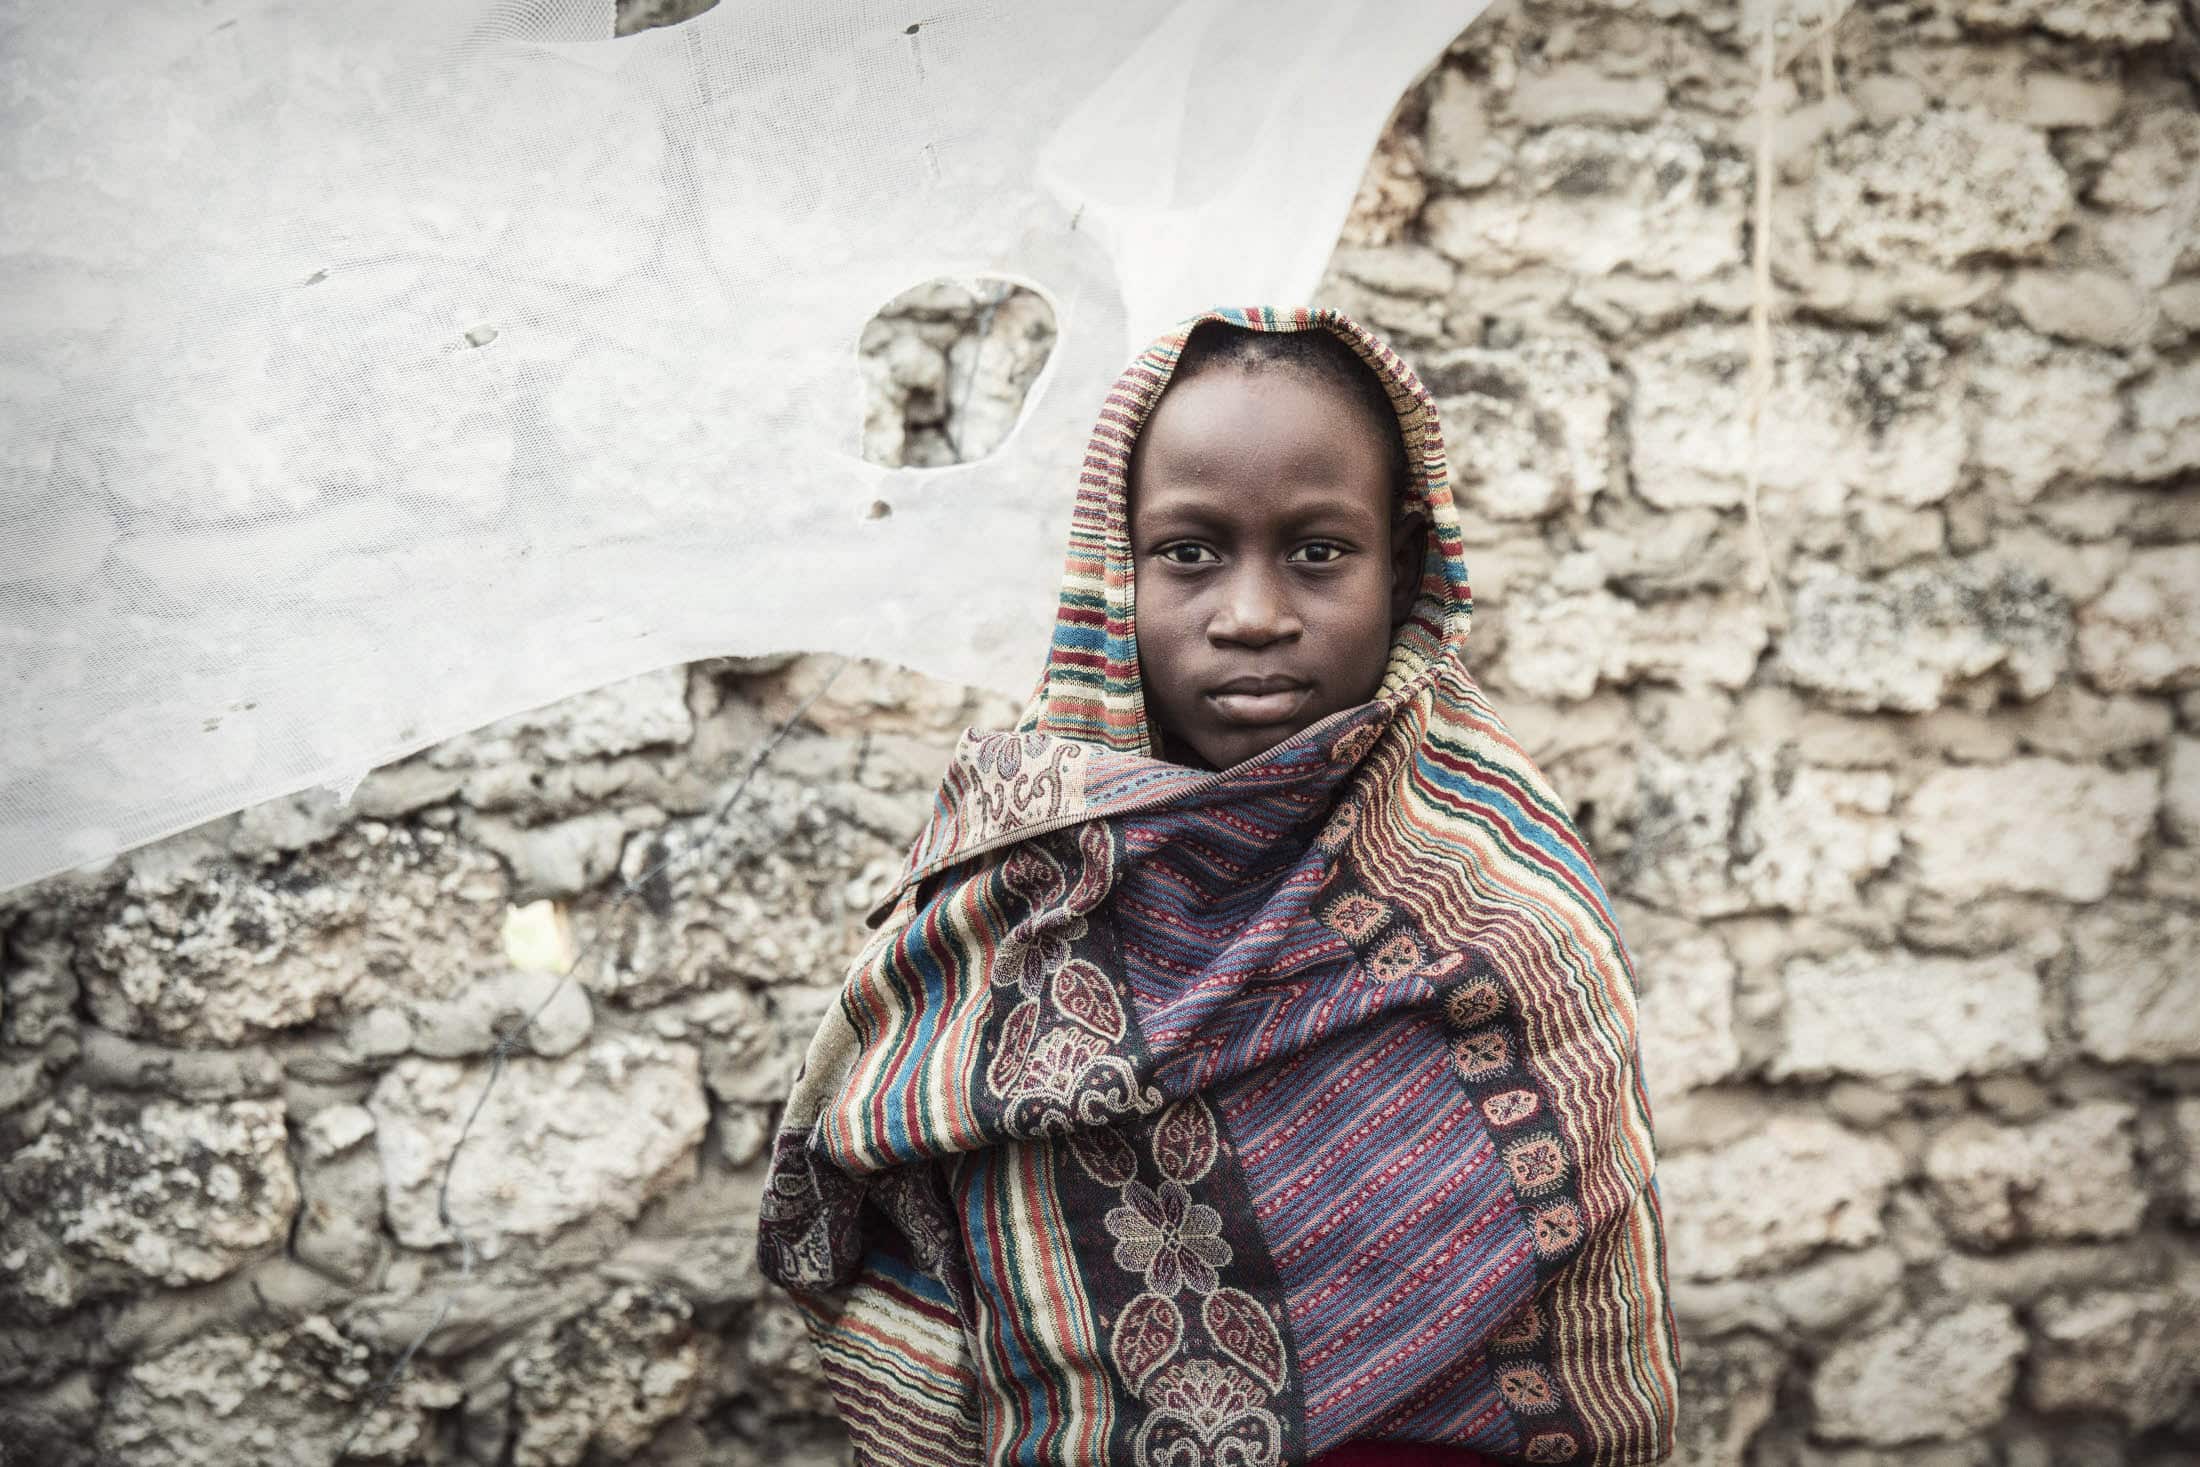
1317	354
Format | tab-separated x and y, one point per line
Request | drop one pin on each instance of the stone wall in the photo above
1907	841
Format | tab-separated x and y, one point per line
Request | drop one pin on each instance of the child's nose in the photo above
1254	612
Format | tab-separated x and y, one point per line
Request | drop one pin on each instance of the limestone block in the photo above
1797	1185
1696	642
1457	140
2143	632
1943	187
2031	825
2070	1175
602	1383
2185	1123
2091	306
339	1231
1685	1019
1864	413
1733	832
1412	270
1837	1286
1728	1387
221	952
336	1130
2135	1354
754	1062
475	1021
601	1131
561	858
112	1062
2153	172
1902	1017
2041	410
773	904
1579	92
1562	643
2134	991
1906	639
235	1400
158	1191
1528	430
1594	199
2126	24
1920	1379
2077	724
2160	435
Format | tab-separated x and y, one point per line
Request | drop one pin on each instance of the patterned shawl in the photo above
1177	1118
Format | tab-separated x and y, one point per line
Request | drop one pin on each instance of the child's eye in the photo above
1320	552
1186	553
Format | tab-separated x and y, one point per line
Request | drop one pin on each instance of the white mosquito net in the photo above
370	372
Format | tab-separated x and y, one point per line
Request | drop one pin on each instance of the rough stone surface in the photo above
1905	641
214	953
603	1382
1734	833
1944	186
2031	825
1797	1185
2133	1354
617	1123
1910	1018
2133	992
1593	200
2072	1175
2144	630
163	1191
1528	430
1858	413
1920	1379
237	1400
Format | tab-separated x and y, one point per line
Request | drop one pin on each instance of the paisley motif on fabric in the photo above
1084	993
1146	1336
1342	822
1520	1332
1241	1329
1014	1048
1185	1140
1105	1155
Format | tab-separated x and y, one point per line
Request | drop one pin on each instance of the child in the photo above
1244	1066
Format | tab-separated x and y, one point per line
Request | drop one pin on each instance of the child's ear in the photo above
1408	552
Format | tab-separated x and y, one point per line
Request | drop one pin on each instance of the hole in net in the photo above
946	367
643	15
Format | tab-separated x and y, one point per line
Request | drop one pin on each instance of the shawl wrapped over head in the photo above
1175	1117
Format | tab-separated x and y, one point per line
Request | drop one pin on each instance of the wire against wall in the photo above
509	1040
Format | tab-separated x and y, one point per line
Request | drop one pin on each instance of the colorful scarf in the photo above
1176	1117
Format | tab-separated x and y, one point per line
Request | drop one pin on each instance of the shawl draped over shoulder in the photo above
1174	1117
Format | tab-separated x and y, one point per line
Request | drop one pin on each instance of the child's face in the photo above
1271	563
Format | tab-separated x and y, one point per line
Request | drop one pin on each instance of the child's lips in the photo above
1257	702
